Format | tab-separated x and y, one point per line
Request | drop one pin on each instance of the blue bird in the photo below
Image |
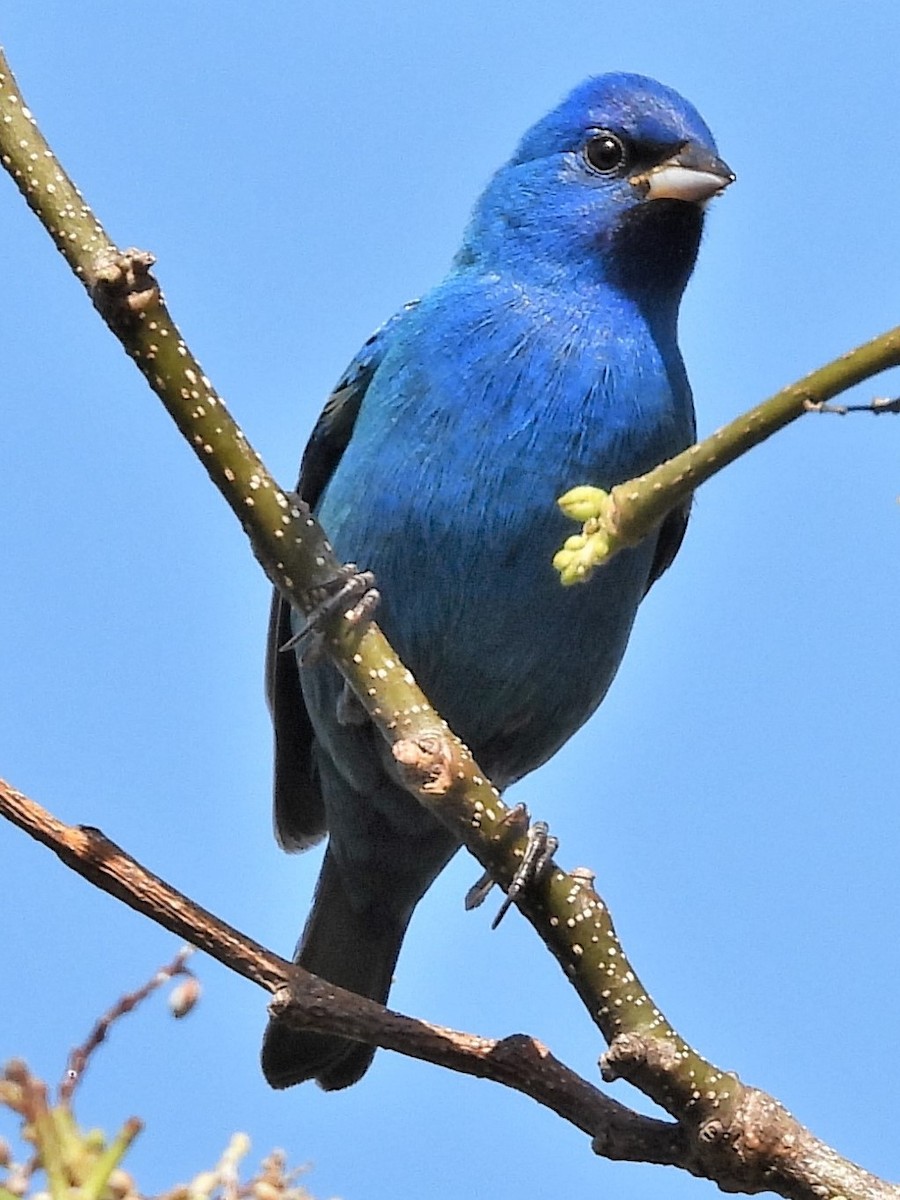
547	357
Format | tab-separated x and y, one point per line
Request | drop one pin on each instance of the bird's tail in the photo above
355	950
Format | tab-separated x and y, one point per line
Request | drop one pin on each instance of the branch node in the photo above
522	1049
761	1130
122	287
281	1001
426	763
821	406
711	1131
630	1054
584	875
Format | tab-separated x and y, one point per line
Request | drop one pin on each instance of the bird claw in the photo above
539	850
478	892
351	592
540	846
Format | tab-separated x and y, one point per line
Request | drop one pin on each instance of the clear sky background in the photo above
301	172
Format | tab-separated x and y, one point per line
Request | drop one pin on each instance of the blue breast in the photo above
492	400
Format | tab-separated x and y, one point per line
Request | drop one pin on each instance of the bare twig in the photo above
518	1062
80	1056
750	1144
877	406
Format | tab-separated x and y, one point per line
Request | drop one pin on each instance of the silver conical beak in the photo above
693	174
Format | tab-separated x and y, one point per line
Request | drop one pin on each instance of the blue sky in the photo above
299	173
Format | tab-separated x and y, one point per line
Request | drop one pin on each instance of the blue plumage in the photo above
547	358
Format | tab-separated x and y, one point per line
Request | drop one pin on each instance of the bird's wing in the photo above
668	542
299	811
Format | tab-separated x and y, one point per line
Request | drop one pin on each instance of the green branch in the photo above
624	516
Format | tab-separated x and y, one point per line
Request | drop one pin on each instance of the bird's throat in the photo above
654	250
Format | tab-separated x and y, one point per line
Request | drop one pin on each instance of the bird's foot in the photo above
540	846
351	592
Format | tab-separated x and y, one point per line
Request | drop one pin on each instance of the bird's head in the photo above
610	186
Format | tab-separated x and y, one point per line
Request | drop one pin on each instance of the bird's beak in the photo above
693	174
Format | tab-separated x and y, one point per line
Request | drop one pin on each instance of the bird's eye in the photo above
605	152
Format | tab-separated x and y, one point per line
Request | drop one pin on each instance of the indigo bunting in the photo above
547	357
